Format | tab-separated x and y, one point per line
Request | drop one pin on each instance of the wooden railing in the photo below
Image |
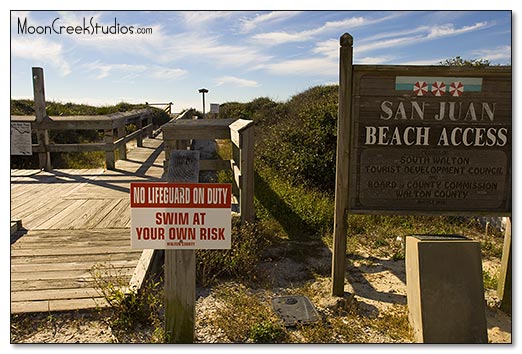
113	125
178	132
166	107
114	128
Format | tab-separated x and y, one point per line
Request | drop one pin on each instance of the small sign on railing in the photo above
180	215
21	139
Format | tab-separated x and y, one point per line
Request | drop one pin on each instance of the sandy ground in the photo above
377	285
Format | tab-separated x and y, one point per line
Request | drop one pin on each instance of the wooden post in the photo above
180	265
139	126
44	157
342	173
504	281
110	161
246	190
151	129
122	151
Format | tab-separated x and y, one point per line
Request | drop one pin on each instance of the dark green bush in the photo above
297	138
262	110
302	145
248	243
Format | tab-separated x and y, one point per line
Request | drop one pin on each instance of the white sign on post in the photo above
21	138
180	215
214	108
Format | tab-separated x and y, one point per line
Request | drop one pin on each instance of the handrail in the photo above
167	109
177	134
114	127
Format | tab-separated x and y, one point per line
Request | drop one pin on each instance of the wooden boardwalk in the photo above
74	220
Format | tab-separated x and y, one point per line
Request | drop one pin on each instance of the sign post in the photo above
342	165
180	265
180	216
421	140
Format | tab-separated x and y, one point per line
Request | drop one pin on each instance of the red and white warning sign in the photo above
180	215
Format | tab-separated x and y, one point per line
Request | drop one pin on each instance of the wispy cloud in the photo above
165	73
199	18
104	70
41	51
211	50
148	44
327	52
329	48
127	72
164	48
250	24
273	38
450	30
495	54
415	36
387	34
322	62
320	66
389	43
236	81
373	60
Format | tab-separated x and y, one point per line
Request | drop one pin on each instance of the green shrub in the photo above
248	243
262	110
301	146
266	332
131	308
242	315
490	281
298	210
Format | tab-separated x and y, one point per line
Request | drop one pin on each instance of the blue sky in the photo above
236	55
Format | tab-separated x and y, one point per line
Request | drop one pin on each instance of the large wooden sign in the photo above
419	140
431	140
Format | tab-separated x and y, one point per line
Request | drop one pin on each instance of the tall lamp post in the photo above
203	91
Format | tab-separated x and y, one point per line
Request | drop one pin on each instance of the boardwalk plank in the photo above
45	212
57	305
103	259
55	294
85	274
33	244
74	214
76	221
60	215
85	265
118	216
69	251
